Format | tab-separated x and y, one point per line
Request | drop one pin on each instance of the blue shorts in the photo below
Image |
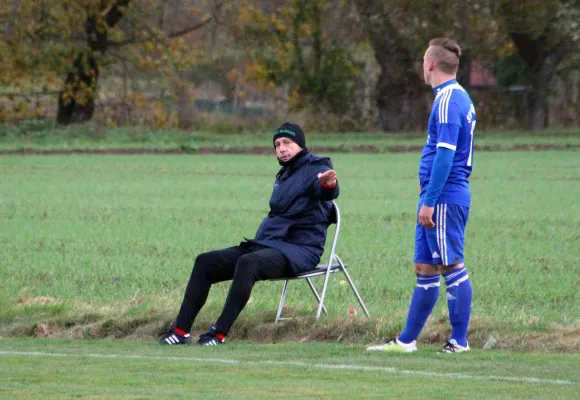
444	243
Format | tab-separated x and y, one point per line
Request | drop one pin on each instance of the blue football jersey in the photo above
451	125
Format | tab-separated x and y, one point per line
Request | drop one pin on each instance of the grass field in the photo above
122	369
49	136
103	246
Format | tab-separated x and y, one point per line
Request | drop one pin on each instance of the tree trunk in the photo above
461	34
464	70
541	61
536	113
76	102
400	90
402	106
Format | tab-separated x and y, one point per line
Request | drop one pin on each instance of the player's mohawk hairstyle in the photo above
448	44
447	54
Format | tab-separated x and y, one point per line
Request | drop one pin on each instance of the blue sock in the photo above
459	303
424	299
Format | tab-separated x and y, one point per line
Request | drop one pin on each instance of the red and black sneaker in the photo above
174	336
211	338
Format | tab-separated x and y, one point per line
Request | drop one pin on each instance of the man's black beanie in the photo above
292	132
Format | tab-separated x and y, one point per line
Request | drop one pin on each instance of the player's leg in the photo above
426	290
452	220
209	268
259	265
424	296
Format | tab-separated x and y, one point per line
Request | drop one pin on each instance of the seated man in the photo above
289	241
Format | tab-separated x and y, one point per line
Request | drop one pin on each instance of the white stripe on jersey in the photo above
450	87
447	146
444	107
444	103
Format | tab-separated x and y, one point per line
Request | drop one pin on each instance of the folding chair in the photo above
334	264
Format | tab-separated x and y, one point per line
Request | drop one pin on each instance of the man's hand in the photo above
328	179
426	216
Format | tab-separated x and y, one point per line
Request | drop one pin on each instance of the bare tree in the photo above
400	89
545	35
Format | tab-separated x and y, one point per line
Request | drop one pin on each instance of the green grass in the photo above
47	135
138	370
95	246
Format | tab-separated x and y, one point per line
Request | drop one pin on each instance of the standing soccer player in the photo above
444	203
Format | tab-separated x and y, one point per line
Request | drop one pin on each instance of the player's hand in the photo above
328	178
426	216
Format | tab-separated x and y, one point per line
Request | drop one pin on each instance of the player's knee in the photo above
446	268
245	265
426	269
202	263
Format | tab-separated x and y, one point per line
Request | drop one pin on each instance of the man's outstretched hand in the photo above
328	179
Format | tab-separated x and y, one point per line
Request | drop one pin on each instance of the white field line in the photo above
347	367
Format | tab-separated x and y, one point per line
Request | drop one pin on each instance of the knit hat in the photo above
292	132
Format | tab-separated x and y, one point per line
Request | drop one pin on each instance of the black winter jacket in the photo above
300	213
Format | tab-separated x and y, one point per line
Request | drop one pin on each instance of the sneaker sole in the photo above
454	352
390	349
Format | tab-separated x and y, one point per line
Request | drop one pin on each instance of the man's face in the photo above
286	149
428	67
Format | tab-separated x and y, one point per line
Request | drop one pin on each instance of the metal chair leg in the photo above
321	304
315	293
282	300
360	301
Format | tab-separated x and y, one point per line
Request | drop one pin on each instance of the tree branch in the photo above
114	12
189	29
197	25
121	43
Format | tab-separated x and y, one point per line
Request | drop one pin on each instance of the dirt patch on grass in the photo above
259	328
267	150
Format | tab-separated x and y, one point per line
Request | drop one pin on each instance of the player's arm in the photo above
447	135
325	185
448	125
439	174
